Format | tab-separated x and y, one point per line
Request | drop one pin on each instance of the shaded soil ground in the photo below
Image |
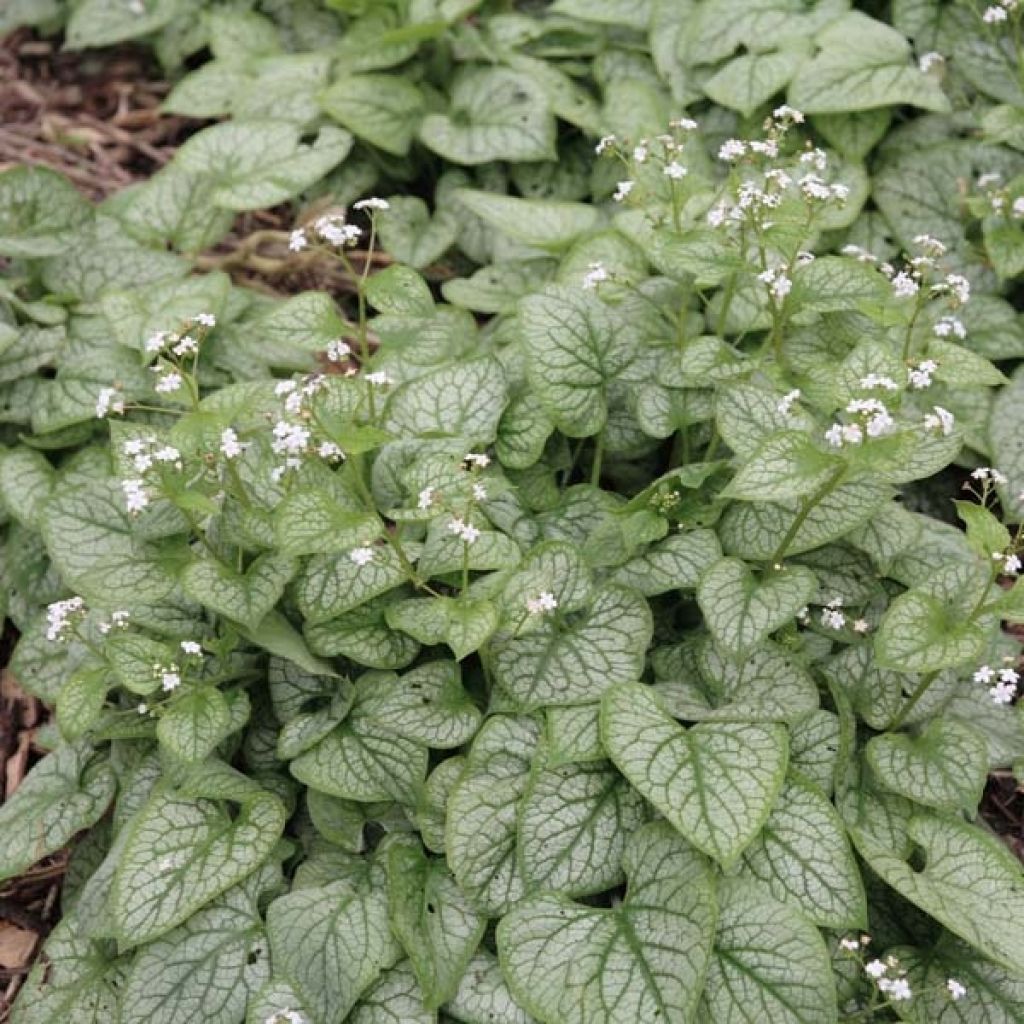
96	119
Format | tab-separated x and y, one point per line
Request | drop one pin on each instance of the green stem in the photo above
919	691
810	502
595	466
465	568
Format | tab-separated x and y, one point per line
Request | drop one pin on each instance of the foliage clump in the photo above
573	624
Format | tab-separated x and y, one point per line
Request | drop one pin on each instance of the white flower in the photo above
596	273
373	203
361	556
329	450
930	60
788	113
985	674
940	420
169	382
1009	675
958	287
717	215
332	229
955	989
191	647
107	401
787	401
135	496
779	285
994	14
155	342
170	678
479	492
606	143
904	286
286	1016
920	377
186	346
338	350
297	240
878	382
470	534
832	617
462	529
816	158
930	245
989	178
988	473
947	325
230	446
623	190
478	459
675	170
861	626
207	320
732	149
168	453
426	498
897	989
850	945
142	709
1003	693
766	147
289	438
544	602
640	153
59	615
686	124
1018	206
378	378
875	969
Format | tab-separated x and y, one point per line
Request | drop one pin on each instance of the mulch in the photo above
96	119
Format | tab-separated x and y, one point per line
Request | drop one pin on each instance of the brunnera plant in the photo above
582	639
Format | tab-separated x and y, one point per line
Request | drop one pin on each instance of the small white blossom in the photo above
878	382
989	178
623	189
230	446
640	153
186	346
168	453
333	229
940	420
329	450
191	647
904	286
686	124
107	401
765	147
478	459
787	401
816	158
470	534
297	240
1011	565
1018	207
605	144
994	15
595	275
985	674
1003	693
897	989
206	320
479	492
947	325
1009	675
169	383
456	526
286	1016
875	969
779	284
957	286
544	602
170	678
930	60
378	378
920	377
717	215
988	473
955	989
861	626
373	203
832	616
142	709
788	113
859	253
426	498
338	350
289	438
850	945
59	615
732	149
135	497
675	170
361	556
156	342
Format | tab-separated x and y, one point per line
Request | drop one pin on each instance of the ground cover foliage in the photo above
584	634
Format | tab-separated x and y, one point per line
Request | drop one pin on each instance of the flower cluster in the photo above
1002	682
544	602
891	981
61	615
876	421
330	228
996	14
147	455
663	151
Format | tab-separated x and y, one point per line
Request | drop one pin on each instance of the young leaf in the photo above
555	952
741	610
194	723
244	597
384	110
715	782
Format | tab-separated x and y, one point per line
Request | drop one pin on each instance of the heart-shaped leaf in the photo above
245	597
716	782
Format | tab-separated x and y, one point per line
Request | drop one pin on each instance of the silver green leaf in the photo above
715	782
769	963
644	960
245	597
